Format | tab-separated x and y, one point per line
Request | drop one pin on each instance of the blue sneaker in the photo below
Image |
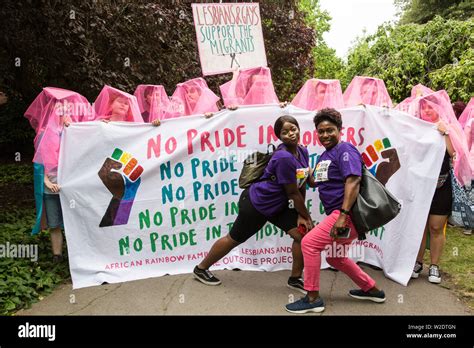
304	306
378	297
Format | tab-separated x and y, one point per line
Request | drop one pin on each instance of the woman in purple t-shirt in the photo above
337	177
278	197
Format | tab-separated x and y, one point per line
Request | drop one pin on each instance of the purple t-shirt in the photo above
332	169
269	197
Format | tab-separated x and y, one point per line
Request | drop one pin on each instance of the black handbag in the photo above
375	205
254	167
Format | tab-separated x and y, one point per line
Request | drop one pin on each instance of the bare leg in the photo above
298	263
313	295
436	224
220	249
421	252
56	241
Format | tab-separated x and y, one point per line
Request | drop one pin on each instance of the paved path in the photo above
245	292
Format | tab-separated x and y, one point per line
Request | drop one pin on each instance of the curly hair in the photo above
328	114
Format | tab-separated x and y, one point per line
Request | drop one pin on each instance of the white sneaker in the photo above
417	270
467	232
434	276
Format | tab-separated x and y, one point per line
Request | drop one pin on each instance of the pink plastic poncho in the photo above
417	91
467	118
420	91
153	102
115	105
435	107
469	132
249	87
193	97
318	94
47	114
367	90
467	114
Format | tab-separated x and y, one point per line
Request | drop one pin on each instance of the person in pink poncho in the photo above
115	105
50	112
466	120
249	87
417	91
318	94
367	91
153	102
467	114
436	108
193	97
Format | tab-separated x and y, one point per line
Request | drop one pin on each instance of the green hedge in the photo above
22	281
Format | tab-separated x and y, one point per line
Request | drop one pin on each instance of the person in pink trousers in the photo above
337	176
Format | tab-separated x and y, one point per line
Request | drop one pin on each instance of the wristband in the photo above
345	212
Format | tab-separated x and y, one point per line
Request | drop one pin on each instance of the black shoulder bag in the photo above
375	205
254	167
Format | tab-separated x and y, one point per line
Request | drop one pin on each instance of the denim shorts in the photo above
52	207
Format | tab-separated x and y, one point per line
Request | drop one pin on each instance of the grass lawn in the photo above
457	264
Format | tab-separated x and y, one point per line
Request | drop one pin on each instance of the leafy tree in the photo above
456	78
438	54
288	43
327	65
422	11
82	45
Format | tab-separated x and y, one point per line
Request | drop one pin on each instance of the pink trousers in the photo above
318	240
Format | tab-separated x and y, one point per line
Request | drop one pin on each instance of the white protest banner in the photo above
229	36
140	201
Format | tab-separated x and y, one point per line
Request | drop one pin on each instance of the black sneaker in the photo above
205	276
378	297
297	283
417	270
433	275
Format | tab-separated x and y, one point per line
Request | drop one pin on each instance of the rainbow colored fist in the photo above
120	173
373	155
